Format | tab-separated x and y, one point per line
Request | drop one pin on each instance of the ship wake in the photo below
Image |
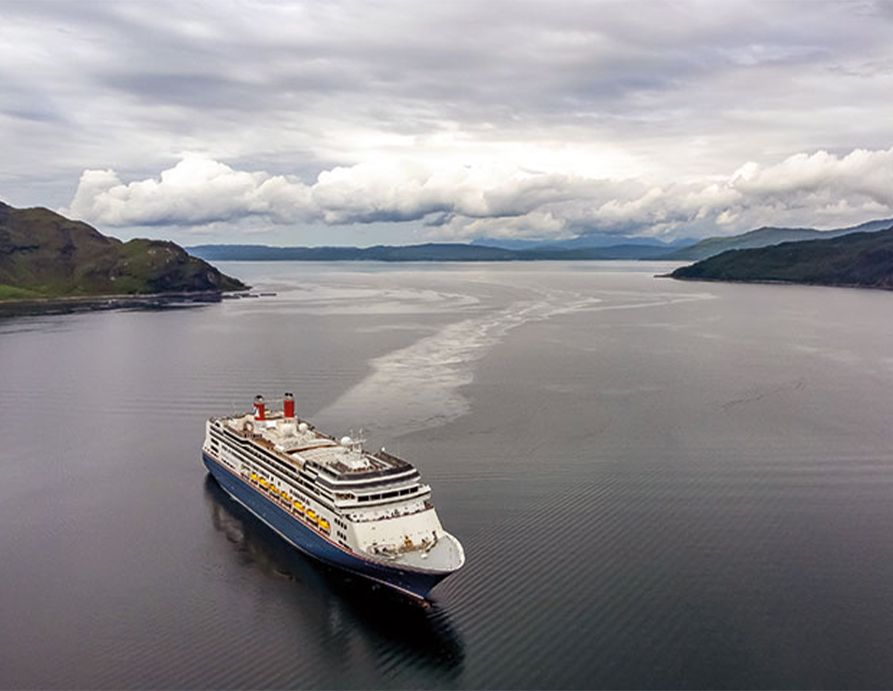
420	386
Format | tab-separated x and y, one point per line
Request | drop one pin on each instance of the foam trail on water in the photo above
419	387
353	299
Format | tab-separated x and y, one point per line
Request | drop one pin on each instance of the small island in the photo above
47	260
859	260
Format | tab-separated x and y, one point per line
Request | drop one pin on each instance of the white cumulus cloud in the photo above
196	191
497	198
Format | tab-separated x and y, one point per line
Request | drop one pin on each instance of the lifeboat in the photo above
311	516
324	526
298	507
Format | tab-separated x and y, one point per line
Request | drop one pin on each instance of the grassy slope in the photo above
43	254
860	259
8	292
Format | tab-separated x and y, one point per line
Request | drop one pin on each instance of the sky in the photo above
400	122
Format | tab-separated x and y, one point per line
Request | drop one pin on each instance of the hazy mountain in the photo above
43	254
766	236
855	259
584	241
429	252
507	243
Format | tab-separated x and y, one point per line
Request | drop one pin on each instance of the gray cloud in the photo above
620	115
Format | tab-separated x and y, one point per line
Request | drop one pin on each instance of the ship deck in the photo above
446	555
299	443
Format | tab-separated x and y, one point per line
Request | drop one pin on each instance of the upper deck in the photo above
299	443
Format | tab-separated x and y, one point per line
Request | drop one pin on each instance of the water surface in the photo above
658	484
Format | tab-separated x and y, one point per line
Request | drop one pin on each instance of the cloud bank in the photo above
495	200
512	117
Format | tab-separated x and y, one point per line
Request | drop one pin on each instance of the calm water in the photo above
658	484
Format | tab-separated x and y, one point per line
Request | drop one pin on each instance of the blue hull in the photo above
414	583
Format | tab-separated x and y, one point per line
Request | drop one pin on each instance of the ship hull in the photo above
415	584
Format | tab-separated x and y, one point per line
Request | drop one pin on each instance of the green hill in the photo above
858	260
766	236
43	254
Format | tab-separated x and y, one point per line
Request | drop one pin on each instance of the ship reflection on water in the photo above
368	621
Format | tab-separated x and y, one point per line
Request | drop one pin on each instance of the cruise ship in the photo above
367	513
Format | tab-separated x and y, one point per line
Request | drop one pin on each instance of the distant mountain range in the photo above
43	254
586	241
766	236
857	259
591	246
431	252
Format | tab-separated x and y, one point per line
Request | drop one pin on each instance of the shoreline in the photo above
92	303
776	282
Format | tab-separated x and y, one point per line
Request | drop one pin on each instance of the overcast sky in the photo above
365	122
